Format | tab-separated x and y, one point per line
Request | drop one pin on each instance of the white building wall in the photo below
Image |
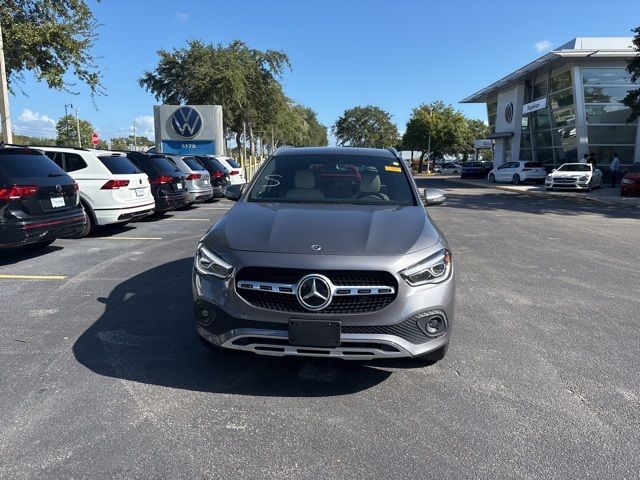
515	96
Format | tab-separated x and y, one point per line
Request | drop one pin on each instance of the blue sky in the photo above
394	54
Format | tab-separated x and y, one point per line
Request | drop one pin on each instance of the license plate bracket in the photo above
314	333
57	202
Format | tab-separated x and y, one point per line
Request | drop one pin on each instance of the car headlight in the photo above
209	263
549	178
584	178
627	181
433	269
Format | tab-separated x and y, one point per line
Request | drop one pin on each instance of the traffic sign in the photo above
94	138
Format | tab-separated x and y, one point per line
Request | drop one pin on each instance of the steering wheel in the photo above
372	194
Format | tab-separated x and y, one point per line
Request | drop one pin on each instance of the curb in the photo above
540	194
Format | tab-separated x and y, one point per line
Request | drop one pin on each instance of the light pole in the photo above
4	98
66	122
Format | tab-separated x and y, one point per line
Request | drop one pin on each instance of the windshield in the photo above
193	163
574	167
232	162
119	165
473	164
348	179
635	168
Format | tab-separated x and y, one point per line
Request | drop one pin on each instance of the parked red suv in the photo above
630	184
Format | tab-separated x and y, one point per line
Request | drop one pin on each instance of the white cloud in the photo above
145	126
34	124
542	46
183	17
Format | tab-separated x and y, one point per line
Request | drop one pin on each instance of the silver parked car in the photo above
197	181
328	252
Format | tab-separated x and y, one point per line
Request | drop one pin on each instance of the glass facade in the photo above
549	135
492	114
608	129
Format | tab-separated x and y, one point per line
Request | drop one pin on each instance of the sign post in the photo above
94	139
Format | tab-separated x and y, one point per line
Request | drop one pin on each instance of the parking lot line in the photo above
31	277
188	219
128	238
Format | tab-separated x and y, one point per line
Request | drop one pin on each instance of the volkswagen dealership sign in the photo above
189	129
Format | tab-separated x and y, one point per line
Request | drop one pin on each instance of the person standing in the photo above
592	160
585	158
614	167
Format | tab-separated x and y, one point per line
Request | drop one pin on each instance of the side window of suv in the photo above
74	162
56	157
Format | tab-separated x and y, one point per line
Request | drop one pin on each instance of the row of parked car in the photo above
52	192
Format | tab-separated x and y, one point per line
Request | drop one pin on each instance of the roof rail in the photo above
395	152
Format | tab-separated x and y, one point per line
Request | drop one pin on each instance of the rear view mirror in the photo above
434	197
234	192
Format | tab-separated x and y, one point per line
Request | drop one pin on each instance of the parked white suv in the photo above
112	189
518	172
236	173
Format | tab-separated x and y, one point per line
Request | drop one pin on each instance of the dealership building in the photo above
565	104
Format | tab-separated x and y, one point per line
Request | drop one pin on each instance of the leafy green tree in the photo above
632	100
124	143
244	81
475	130
438	126
368	126
298	126
68	132
49	38
33	141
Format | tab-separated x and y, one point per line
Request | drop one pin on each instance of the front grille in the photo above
341	304
564	180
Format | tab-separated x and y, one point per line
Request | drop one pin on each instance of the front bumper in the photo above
391	332
567	186
41	230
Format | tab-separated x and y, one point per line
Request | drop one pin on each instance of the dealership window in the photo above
608	128
553	128
492	114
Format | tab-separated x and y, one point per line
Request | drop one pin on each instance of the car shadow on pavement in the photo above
146	335
9	256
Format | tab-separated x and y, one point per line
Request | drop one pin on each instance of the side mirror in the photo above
553	170
433	197
234	192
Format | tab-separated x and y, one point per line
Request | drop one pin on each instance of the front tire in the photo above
492	178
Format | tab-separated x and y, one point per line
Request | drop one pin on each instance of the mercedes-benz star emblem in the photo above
186	122
314	292
58	188
316	248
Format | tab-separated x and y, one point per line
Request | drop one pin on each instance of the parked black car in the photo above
39	202
167	182
476	169
219	174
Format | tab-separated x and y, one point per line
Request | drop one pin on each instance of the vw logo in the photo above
316	248
186	122
508	112
314	292
58	188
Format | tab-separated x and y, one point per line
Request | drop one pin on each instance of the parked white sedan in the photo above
579	176
518	172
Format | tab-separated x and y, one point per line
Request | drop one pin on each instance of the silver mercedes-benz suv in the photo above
327	252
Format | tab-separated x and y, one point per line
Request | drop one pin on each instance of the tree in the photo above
298	126
33	141
49	38
632	100
68	132
437	126
475	130
124	143
244	81
368	126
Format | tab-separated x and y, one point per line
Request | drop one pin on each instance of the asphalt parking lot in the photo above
102	375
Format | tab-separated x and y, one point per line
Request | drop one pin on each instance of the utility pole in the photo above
135	146
7	137
66	122
78	129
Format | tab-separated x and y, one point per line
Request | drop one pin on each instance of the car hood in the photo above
337	229
570	174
